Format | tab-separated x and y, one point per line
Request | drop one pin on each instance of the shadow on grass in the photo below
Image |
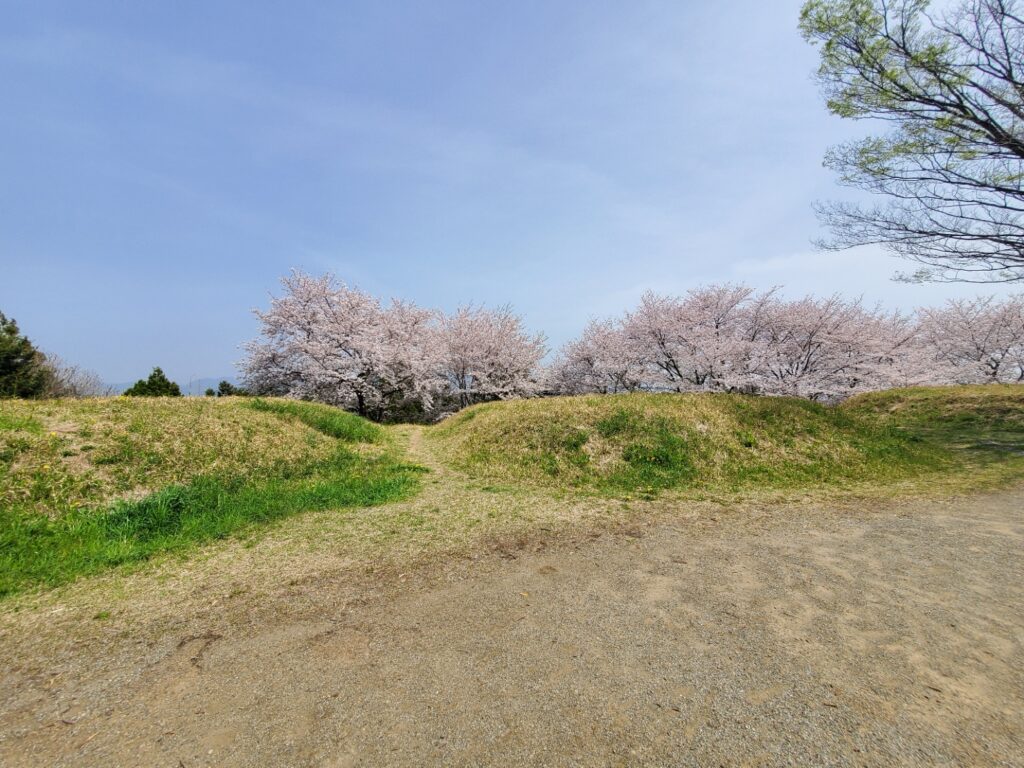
331	421
39	551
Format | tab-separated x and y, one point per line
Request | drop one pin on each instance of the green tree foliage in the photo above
210	392
157	385
227	389
949	175
23	371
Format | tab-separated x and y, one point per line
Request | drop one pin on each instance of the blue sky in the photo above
165	163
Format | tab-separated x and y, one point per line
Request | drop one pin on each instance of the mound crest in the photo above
650	442
89	485
59	455
981	416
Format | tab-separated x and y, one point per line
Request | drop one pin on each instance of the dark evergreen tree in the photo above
157	385
226	389
23	372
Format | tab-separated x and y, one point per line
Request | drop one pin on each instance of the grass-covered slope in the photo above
86	484
91	484
59	455
642	443
986	419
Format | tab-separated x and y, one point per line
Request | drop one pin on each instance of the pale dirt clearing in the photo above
891	636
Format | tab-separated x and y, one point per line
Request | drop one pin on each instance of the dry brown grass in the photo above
56	455
713	443
456	515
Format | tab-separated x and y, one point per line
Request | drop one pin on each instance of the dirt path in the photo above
893	637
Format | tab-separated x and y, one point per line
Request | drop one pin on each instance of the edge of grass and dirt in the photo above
447	512
734	446
337	461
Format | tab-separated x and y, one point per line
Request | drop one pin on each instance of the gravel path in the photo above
888	637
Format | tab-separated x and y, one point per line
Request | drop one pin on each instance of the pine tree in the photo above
227	389
157	385
23	372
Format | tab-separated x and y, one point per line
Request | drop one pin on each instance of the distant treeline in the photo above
323	340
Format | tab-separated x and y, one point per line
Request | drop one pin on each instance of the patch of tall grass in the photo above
330	421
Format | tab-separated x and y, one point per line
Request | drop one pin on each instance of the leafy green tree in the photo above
23	371
210	392
949	175
226	389
157	385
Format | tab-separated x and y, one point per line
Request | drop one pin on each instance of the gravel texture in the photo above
816	637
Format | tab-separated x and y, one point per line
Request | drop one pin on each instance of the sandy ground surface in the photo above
887	636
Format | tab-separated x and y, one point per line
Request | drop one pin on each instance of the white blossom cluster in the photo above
731	338
325	341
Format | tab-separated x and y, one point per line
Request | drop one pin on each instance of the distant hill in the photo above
196	387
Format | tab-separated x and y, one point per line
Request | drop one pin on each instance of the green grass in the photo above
57	456
19	422
86	486
317	467
986	420
643	444
36	550
330	421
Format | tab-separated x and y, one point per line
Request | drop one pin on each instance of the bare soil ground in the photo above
800	636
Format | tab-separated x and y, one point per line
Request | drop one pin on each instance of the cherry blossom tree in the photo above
325	341
488	355
976	341
702	340
902	360
604	360
730	338
322	340
825	349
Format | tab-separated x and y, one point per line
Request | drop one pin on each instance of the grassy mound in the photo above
715	442
88	484
983	419
60	455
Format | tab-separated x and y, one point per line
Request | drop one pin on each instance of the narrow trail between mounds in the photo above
877	637
415	448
